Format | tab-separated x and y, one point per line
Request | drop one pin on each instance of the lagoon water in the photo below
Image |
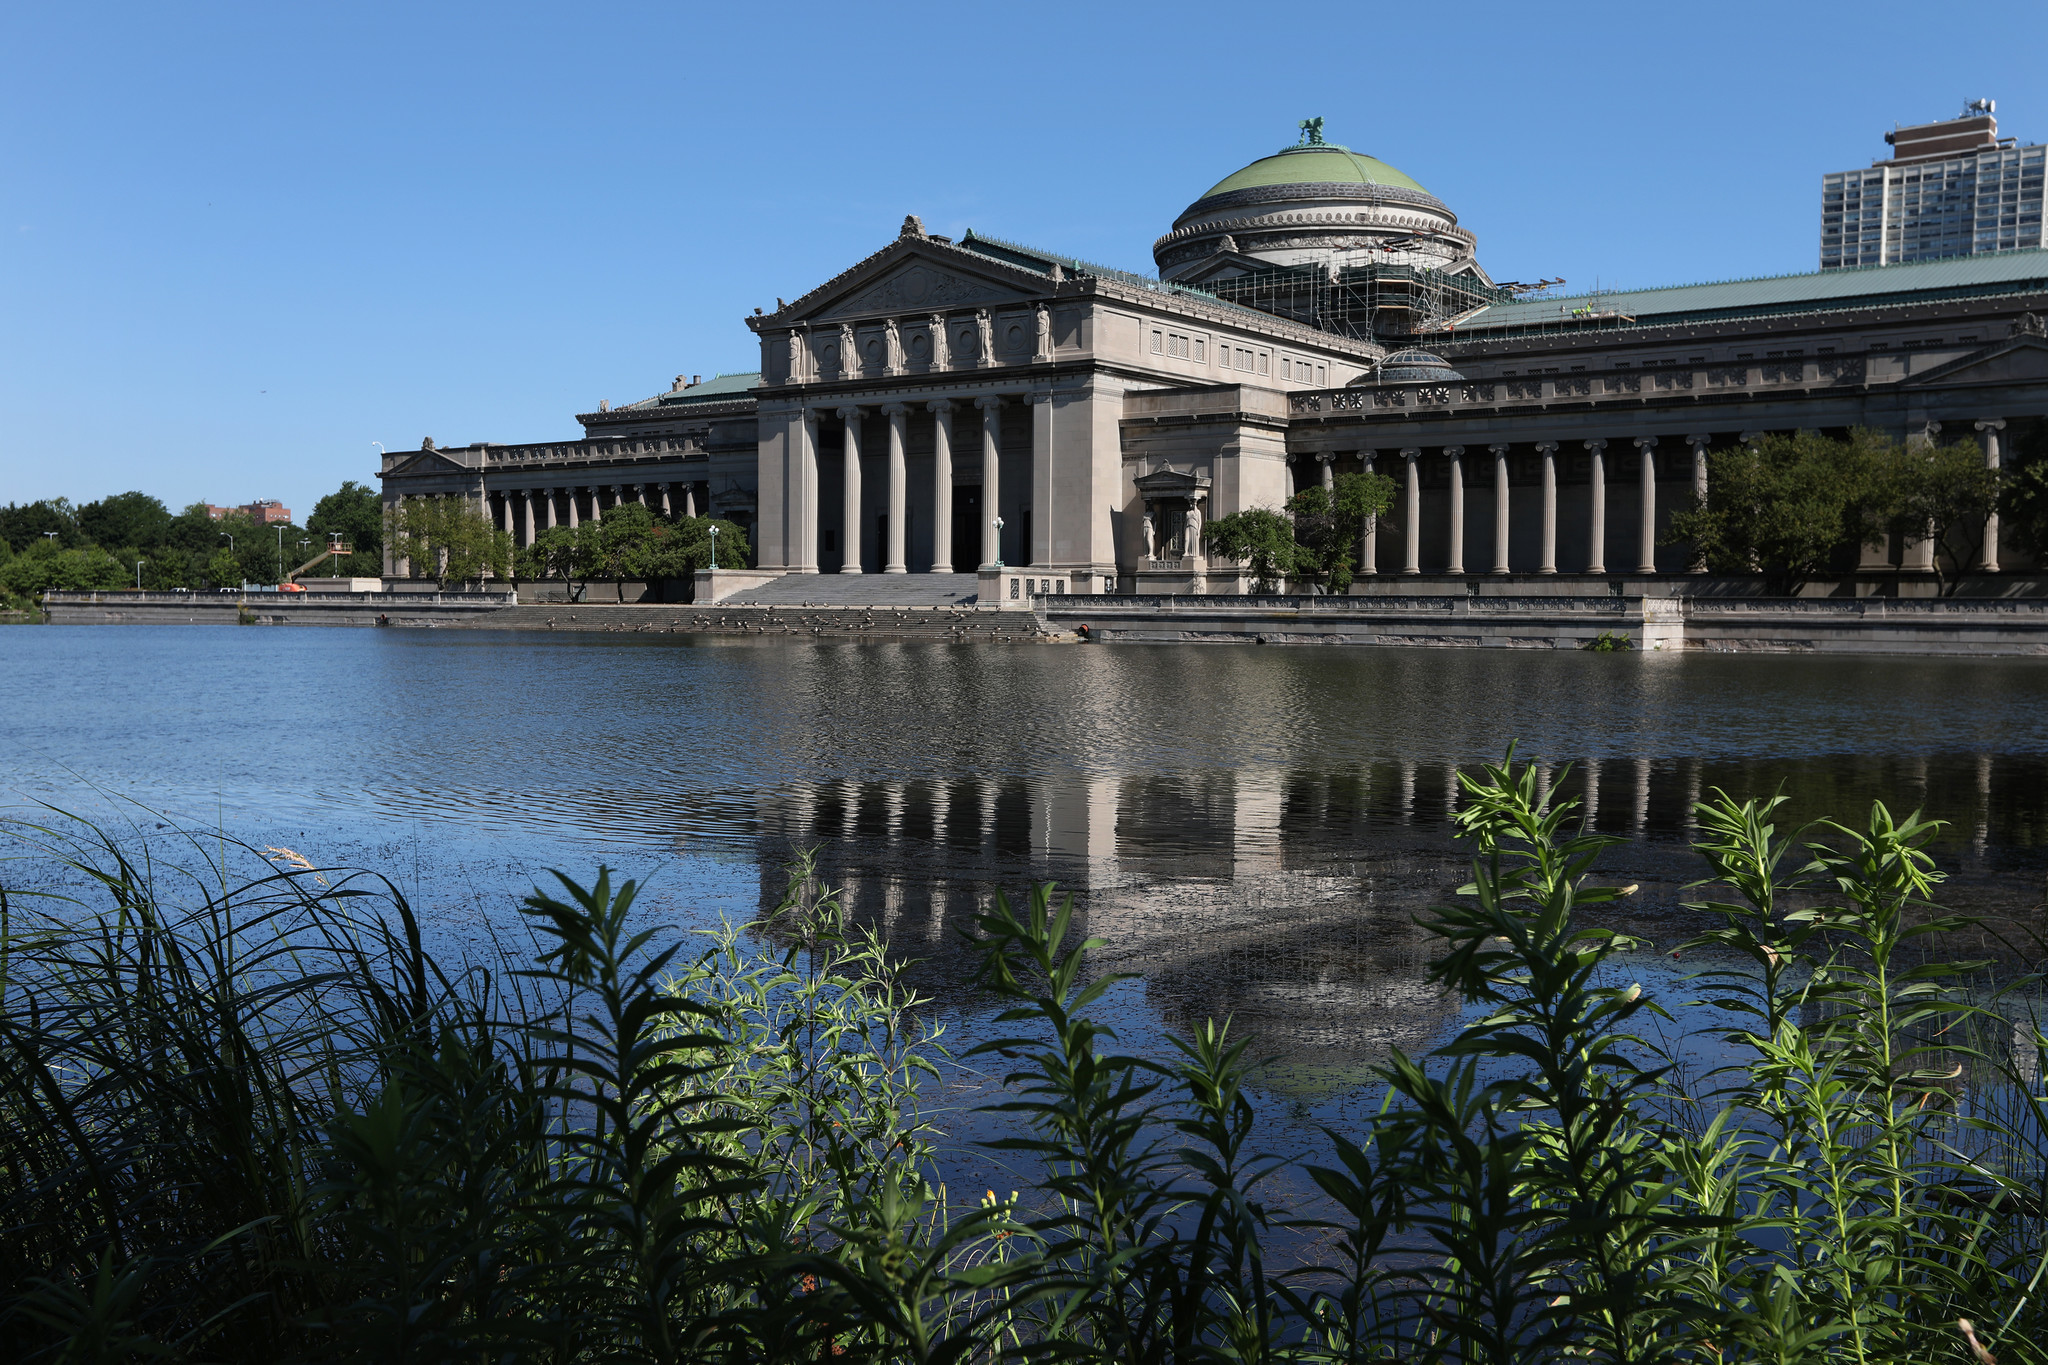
1251	829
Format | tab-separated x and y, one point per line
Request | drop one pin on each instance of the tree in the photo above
1329	525
552	555
224	570
46	568
1944	493
1791	506
446	538
31	523
355	512
2023	508
1262	539
131	519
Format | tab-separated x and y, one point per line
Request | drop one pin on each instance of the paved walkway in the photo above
862	590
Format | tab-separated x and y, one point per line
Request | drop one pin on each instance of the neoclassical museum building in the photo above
943	406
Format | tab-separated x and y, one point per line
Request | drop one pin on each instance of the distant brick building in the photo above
264	512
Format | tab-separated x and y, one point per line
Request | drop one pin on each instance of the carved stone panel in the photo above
919	286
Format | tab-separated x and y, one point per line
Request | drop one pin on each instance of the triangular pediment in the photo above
1222	266
918	284
2020	359
1170	483
426	462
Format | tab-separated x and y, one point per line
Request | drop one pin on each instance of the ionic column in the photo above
899	418
1500	508
807	472
1546	552
850	513
1456	455
526	514
1597	531
638	492
1369	551
1411	560
1993	459
942	476
991	475
575	513
690	500
664	500
1699	491
1646	539
1329	465
547	510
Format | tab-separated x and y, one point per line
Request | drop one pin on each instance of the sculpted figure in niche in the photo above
1044	331
937	324
848	357
985	326
1151	543
892	346
1194	528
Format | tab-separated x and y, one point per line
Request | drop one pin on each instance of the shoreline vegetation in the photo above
252	1118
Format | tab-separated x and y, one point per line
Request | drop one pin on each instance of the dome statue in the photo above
1315	203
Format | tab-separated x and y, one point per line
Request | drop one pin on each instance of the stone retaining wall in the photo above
1773	625
417	609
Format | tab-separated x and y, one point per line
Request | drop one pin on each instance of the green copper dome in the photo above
1322	163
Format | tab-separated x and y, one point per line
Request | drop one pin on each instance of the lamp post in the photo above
231	543
280	554
999	542
714	545
138	573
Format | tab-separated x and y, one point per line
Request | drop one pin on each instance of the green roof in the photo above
1321	164
1868	286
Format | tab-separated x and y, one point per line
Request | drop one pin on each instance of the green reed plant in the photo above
245	1114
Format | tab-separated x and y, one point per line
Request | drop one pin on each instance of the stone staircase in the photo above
860	590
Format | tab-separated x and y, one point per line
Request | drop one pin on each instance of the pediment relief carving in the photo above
2023	358
428	462
919	286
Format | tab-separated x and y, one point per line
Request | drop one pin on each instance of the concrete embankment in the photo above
1986	627
415	609
827	623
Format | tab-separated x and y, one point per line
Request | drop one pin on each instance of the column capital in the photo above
849	413
895	409
942	406
1645	442
1328	457
1546	447
1501	448
1596	445
1991	424
990	403
1411	453
1698	439
1454	451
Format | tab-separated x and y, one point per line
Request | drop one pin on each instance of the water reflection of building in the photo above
1284	896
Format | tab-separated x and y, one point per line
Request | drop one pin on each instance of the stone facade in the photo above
946	407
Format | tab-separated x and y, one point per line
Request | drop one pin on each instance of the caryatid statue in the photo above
1151	541
1194	528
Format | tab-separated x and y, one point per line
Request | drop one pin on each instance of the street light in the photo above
714	545
999	542
138	573
280	554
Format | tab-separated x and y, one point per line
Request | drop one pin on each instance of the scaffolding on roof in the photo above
1367	301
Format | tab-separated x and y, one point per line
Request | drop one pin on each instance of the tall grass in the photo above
254	1119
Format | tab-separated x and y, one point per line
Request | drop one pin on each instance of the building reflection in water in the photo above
1285	897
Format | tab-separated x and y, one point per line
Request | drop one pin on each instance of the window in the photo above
1201	350
1507	374
1157	338
1323	376
1286	368
1745	355
1013	589
1265	363
1177	345
1244	359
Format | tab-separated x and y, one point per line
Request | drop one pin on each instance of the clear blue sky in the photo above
243	242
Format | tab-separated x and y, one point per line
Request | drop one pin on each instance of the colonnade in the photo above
946	414
529	511
1410	502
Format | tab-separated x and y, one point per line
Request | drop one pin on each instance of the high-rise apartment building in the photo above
1953	188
